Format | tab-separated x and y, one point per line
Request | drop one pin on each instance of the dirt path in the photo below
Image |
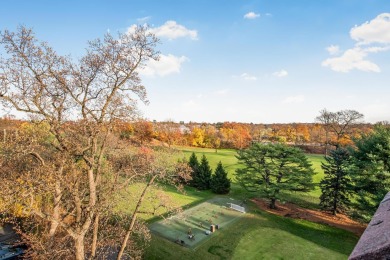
293	211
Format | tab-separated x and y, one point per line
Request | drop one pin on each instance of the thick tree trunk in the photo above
95	236
134	217
79	246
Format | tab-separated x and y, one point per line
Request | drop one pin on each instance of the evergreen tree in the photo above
220	183
371	175
335	186
274	168
203	179
194	164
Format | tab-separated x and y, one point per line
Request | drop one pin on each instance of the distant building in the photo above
184	130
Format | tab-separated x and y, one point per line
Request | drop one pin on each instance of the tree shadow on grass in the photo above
302	200
223	244
334	239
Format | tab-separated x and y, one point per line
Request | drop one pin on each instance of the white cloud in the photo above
371	37
268	14
294	99
280	74
247	76
333	49
377	49
167	64
143	19
251	15
374	31
351	59
172	30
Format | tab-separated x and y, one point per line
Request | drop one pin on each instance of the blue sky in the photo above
260	61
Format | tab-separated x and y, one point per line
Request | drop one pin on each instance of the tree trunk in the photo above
56	210
272	204
79	246
334	210
134	217
95	236
326	142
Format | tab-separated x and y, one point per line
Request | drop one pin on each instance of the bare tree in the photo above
325	118
339	123
62	177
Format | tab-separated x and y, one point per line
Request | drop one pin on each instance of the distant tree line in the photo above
328	130
315	137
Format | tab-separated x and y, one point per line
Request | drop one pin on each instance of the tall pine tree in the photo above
220	183
335	186
371	176
204	176
194	164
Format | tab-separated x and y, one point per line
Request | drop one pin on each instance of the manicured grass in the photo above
260	235
226	156
198	219
257	235
230	162
190	197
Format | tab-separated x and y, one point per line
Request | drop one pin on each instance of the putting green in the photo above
197	221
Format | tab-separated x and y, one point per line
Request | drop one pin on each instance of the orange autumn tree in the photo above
235	135
143	131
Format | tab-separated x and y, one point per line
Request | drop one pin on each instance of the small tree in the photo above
194	165
335	186
220	183
204	177
143	131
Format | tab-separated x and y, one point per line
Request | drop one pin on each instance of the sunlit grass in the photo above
230	162
259	235
127	200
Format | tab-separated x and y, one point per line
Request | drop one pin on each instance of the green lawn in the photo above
189	198
259	235
226	156
229	161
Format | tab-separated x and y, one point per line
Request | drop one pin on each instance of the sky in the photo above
259	61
